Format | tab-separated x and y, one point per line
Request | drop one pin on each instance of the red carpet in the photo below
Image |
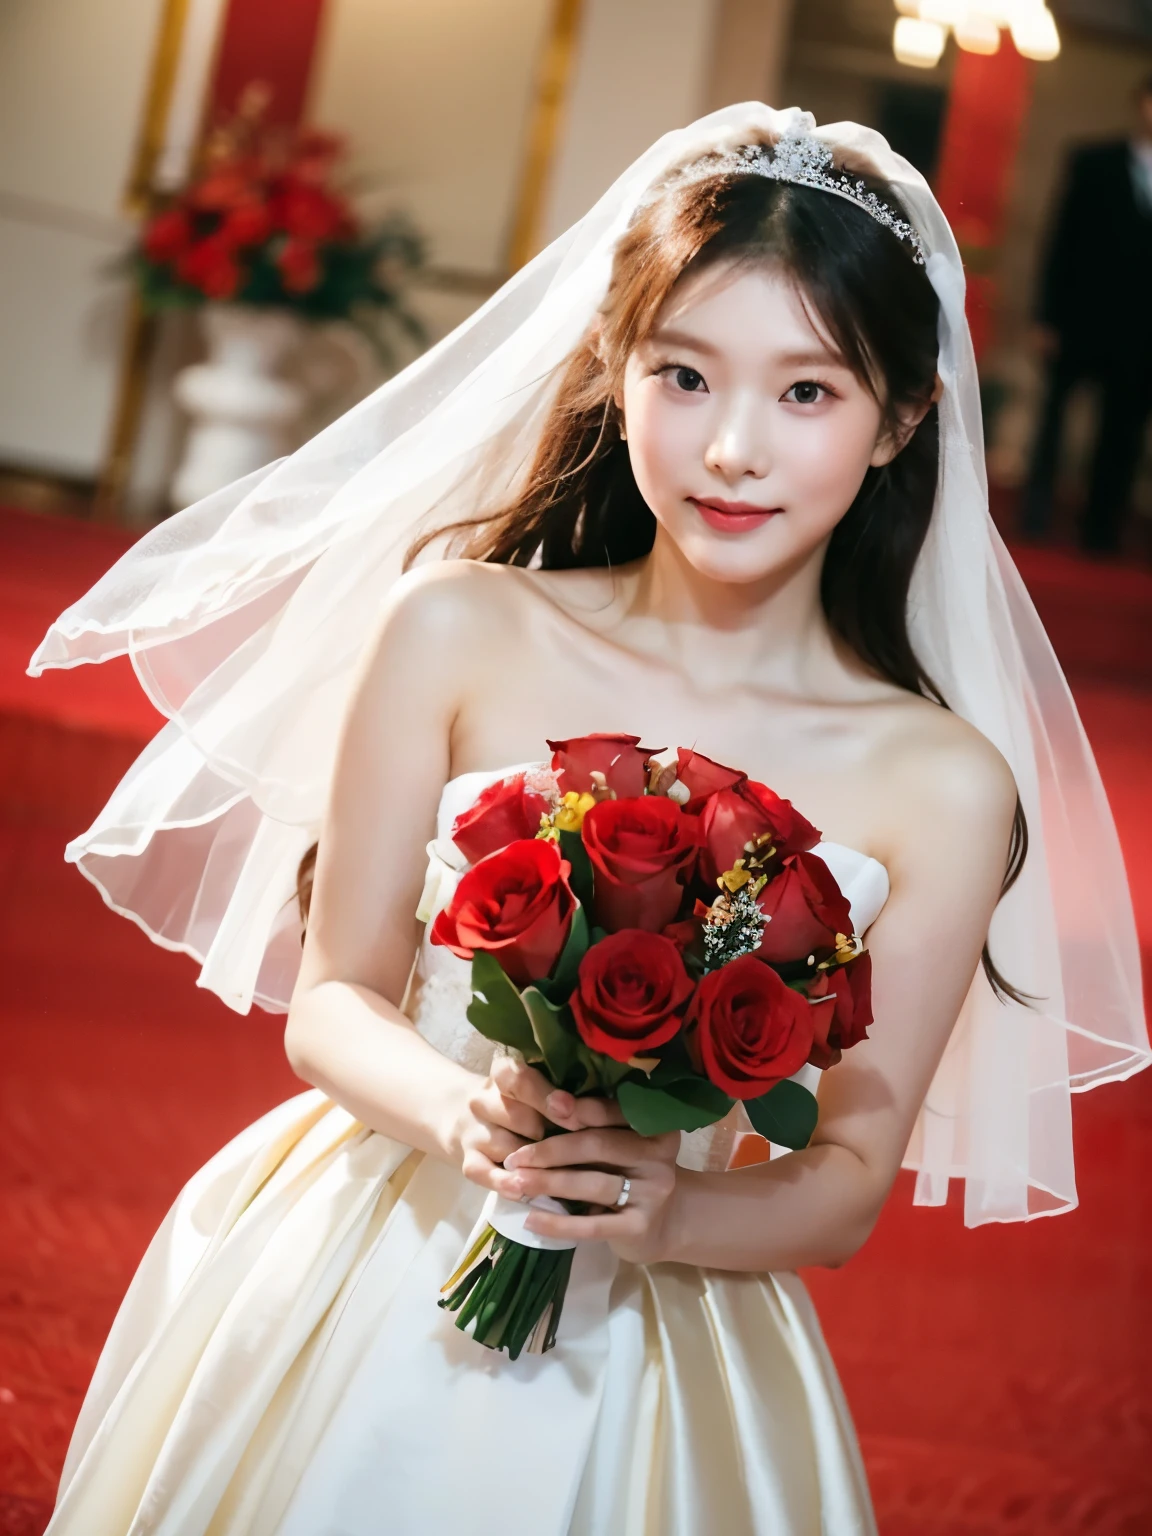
999	1378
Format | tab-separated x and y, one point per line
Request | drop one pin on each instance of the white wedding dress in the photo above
279	1364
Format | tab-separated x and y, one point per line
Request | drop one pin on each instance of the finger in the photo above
497	1144
495	1107
595	1112
617	1148
604	1228
519	1117
516	1080
478	1169
586	1184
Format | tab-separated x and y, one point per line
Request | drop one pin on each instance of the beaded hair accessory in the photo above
803	159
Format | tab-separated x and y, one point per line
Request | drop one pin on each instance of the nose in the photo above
739	446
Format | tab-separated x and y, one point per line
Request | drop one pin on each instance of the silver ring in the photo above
625	1191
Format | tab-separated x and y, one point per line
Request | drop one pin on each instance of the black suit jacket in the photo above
1096	278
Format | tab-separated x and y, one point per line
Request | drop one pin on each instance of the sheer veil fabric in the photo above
245	617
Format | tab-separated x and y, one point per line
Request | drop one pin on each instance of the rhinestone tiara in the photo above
805	160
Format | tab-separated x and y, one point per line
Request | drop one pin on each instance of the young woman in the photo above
709	473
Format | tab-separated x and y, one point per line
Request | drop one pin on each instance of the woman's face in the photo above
748	436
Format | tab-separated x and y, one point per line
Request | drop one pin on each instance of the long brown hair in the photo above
579	504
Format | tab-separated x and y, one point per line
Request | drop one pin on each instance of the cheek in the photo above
825	458
666	443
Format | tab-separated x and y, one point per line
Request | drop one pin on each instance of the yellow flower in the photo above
573	809
733	879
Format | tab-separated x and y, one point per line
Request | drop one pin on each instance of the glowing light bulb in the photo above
908	7
1035	35
977	33
917	42
1007	12
945	13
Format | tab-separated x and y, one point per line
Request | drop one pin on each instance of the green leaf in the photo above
786	1114
573	849
683	1106
497	1009
558	987
674	1066
558	1045
608	1073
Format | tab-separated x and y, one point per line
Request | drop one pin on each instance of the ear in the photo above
889	443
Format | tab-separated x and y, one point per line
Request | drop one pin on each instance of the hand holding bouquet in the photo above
657	932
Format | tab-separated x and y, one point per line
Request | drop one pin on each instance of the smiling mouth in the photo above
732	516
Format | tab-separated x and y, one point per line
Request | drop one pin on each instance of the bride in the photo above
708	471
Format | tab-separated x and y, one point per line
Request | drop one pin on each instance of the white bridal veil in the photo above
245	615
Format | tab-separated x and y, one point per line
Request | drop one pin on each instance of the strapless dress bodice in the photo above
442	990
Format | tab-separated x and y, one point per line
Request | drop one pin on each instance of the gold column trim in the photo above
161	82
544	125
135	355
140	329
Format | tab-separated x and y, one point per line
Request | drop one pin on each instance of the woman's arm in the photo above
817	1206
346	1033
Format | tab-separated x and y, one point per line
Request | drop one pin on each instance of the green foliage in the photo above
786	1114
558	988
573	849
685	1104
497	1009
557	1045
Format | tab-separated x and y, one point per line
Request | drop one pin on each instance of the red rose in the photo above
643	851
168	236
621	759
225	187
517	905
747	1030
687	935
806	908
703	778
299	266
247	224
310	213
211	266
631	994
505	811
733	809
841	1020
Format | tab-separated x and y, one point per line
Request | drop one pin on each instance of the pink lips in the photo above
732	516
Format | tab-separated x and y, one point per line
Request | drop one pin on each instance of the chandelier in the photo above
922	28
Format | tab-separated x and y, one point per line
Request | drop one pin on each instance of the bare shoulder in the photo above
456	599
447	616
446	599
944	782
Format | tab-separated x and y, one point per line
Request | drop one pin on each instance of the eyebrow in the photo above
683	339
812	358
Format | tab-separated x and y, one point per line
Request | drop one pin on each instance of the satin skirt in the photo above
279	1367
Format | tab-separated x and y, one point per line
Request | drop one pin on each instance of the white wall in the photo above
72	79
434	96
642	67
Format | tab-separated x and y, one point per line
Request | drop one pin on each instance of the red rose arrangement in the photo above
662	933
261	222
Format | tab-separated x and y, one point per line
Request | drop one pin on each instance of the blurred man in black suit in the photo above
1094	315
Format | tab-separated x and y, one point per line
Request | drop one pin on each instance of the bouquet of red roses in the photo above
659	932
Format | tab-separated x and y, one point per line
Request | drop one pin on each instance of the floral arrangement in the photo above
263	223
659	932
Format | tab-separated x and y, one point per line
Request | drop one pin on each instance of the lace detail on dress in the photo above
439	1012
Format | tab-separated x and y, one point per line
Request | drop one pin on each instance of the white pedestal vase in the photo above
242	413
